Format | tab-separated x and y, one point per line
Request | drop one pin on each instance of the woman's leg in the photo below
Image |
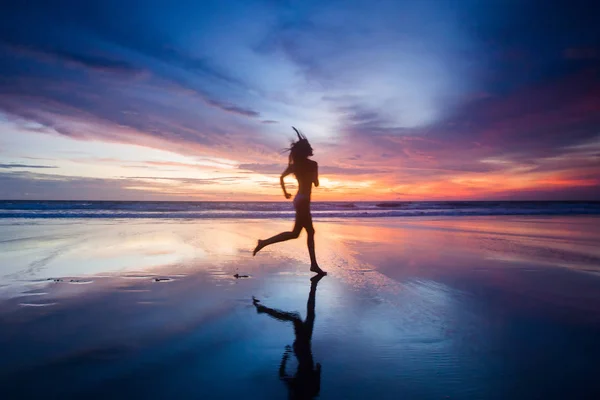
281	237
314	267
305	219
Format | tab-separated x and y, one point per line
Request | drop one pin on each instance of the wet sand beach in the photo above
429	308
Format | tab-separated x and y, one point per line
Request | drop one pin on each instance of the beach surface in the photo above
488	307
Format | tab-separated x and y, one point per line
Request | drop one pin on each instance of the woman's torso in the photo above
305	172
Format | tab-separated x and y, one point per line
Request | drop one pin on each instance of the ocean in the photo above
261	210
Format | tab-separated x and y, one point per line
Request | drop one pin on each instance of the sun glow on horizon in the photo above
158	173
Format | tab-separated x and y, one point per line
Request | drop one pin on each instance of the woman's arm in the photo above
285	173
316	178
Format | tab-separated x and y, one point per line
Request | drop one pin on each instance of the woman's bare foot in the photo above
258	247
315	268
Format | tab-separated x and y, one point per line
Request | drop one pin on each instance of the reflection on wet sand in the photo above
363	253
413	308
306	382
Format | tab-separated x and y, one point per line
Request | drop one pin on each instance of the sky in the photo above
401	100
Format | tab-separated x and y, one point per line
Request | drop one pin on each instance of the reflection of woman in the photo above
306	383
307	173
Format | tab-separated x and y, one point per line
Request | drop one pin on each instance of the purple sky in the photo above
403	100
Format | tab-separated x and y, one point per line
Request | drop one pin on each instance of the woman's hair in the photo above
299	149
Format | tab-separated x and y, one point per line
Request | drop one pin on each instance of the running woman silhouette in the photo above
307	174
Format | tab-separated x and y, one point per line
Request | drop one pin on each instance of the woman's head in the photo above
300	149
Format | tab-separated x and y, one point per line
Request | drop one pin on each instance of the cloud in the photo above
200	164
56	81
25	185
70	58
40	186
406	93
227	180
270	169
79	110
234	109
586	193
525	126
24	166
